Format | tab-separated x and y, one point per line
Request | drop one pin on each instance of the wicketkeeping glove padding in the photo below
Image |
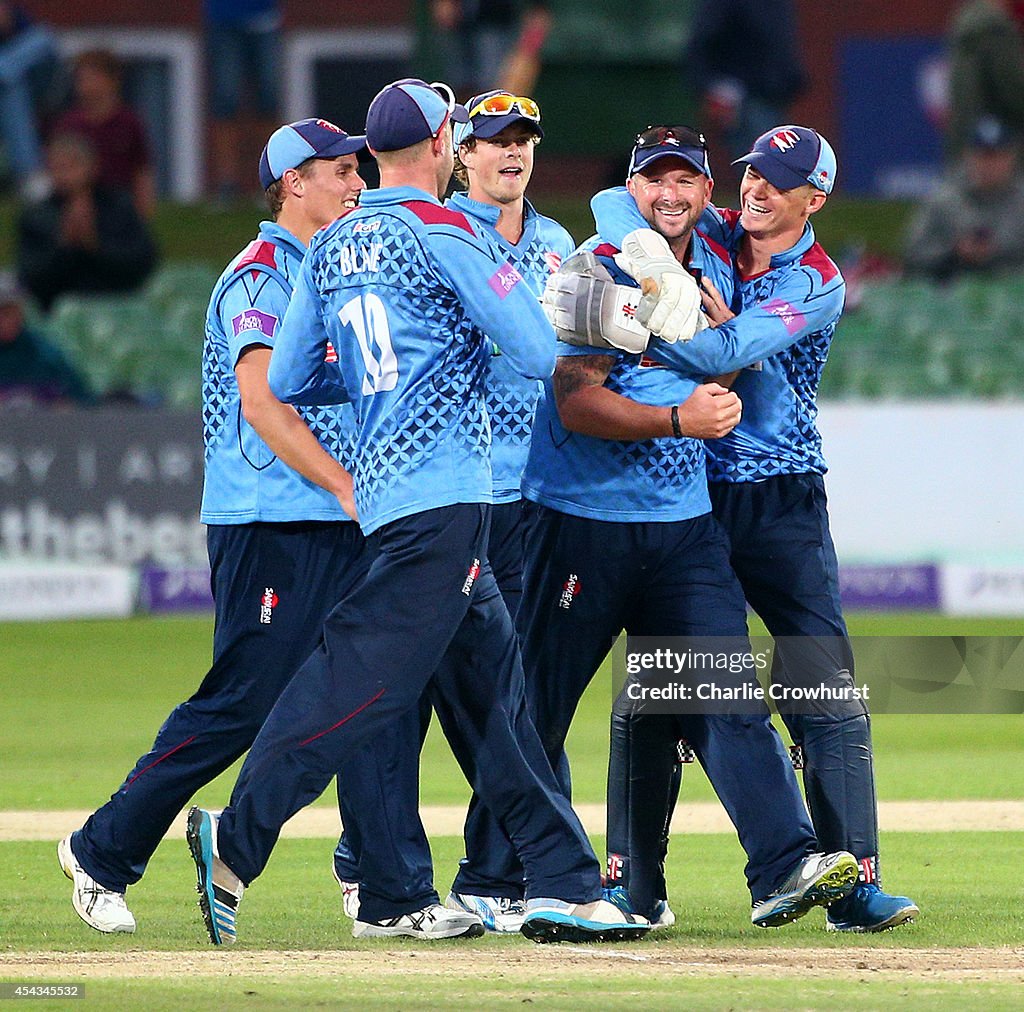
672	310
587	308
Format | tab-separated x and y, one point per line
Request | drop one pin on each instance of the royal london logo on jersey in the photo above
268	602
569	591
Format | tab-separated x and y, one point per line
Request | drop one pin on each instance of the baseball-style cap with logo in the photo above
661	141
790	156
409	111
289	146
492	111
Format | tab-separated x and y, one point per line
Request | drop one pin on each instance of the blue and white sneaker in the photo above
498	913
550	920
867	908
619	896
817	881
220	889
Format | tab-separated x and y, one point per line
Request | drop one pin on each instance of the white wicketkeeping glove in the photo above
587	308
670	308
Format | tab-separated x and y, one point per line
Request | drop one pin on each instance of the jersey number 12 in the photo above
368	318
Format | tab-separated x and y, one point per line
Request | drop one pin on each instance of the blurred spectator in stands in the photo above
974	222
85	237
490	43
986	73
743	63
32	369
114	130
30	75
242	72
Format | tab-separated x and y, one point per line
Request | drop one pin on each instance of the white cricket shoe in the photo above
551	920
433	921
498	913
100	908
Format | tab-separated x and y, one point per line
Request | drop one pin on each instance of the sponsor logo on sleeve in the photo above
504	280
253	319
790	316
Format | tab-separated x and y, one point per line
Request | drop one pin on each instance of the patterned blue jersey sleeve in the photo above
802	303
514	321
304	366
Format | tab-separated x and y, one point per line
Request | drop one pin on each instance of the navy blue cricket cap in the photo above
670	142
792	156
485	124
289	146
409	111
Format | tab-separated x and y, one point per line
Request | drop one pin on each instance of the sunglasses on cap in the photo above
445	91
656	136
502	105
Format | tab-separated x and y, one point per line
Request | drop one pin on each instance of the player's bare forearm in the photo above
281	427
587	406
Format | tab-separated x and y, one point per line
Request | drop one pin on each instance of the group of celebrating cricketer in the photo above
450	457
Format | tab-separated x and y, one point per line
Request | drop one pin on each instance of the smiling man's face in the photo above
671	195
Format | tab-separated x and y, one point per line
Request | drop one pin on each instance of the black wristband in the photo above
676	430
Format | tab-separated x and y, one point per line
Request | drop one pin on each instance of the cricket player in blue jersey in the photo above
495	152
623	538
283	547
766	475
409	298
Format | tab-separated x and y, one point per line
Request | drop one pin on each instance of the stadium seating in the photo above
911	339
904	339
144	347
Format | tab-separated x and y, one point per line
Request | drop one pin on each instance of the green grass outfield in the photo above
82	700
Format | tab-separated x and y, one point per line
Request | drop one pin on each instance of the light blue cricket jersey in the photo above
780	340
401	292
619	480
512	398
244	480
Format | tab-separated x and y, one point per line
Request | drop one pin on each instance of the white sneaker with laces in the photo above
498	913
433	921
100	908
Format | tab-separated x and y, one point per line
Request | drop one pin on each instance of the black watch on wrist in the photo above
676	430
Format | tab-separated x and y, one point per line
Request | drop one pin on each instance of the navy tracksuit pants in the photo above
584	582
273	585
428	613
378	789
782	552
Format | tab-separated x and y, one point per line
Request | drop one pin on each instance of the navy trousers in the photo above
584	582
783	554
273	585
428	613
378	791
